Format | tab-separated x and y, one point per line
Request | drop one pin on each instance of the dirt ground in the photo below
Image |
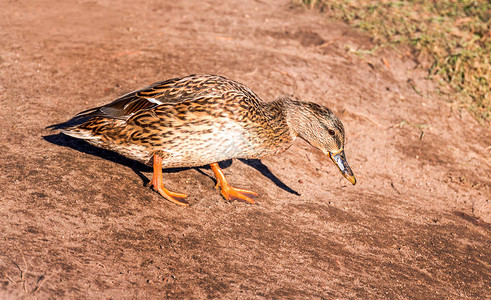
77	221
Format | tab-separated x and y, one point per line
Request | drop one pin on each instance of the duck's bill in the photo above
340	160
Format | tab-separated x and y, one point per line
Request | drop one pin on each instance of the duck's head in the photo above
319	126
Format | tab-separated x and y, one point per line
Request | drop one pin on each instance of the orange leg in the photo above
228	192
158	184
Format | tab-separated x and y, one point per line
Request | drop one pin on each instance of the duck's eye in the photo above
331	132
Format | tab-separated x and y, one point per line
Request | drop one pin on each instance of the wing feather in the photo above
169	91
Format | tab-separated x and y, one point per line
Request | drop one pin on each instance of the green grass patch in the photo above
453	35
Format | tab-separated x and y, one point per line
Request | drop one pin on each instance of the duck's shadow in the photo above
137	167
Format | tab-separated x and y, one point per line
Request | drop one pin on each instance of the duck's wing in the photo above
169	91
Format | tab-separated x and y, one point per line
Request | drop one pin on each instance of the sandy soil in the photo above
77	221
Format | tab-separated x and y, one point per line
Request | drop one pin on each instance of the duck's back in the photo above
189	121
170	91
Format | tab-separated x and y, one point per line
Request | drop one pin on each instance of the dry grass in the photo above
454	36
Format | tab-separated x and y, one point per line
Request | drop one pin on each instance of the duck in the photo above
202	119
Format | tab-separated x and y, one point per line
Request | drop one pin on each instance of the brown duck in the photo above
204	119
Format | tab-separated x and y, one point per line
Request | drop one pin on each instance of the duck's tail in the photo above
92	130
79	133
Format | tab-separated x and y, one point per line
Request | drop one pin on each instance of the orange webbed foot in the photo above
158	184
228	192
173	197
231	193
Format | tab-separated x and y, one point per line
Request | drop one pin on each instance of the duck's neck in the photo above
297	116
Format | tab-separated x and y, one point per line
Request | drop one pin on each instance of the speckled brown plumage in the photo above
203	119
